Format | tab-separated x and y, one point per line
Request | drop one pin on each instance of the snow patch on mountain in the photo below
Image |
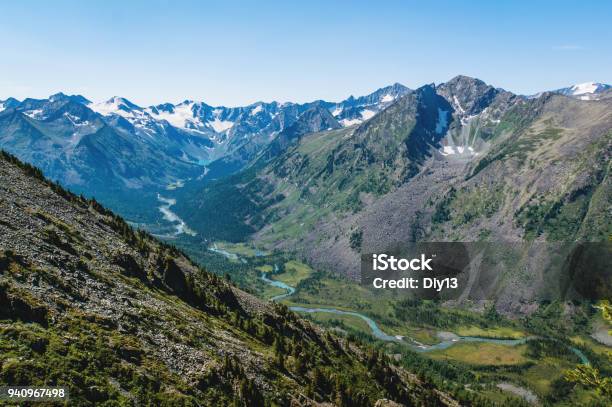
179	117
220	125
75	120
458	150
387	98
458	105
367	114
34	114
350	122
582	88
448	150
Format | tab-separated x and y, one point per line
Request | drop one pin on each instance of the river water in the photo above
447	339
275	283
178	223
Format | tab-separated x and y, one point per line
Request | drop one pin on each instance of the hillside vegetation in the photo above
122	319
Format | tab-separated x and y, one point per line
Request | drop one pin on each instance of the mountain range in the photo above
116	146
460	161
117	150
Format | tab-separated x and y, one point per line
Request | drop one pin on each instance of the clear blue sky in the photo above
238	52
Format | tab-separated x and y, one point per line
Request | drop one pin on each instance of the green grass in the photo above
499	396
295	272
240	249
541	375
489	354
596	347
269	291
499	332
340	321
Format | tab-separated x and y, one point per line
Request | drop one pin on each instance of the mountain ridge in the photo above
174	143
461	161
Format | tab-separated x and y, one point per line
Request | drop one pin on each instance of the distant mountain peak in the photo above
464	80
8	103
462	77
60	96
117	105
583	91
468	96
586	87
318	118
56	96
354	110
118	100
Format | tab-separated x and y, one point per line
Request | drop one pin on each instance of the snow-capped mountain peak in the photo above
181	115
584	91
582	88
256	109
354	110
115	105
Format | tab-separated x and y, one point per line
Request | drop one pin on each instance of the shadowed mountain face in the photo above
462	161
119	317
313	120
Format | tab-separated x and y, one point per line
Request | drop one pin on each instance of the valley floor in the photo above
484	353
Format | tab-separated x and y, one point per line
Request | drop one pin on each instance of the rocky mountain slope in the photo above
461	161
119	317
340	171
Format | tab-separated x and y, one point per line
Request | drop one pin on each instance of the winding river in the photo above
178	223
275	283
447	339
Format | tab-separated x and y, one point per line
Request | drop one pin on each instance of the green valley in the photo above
531	362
